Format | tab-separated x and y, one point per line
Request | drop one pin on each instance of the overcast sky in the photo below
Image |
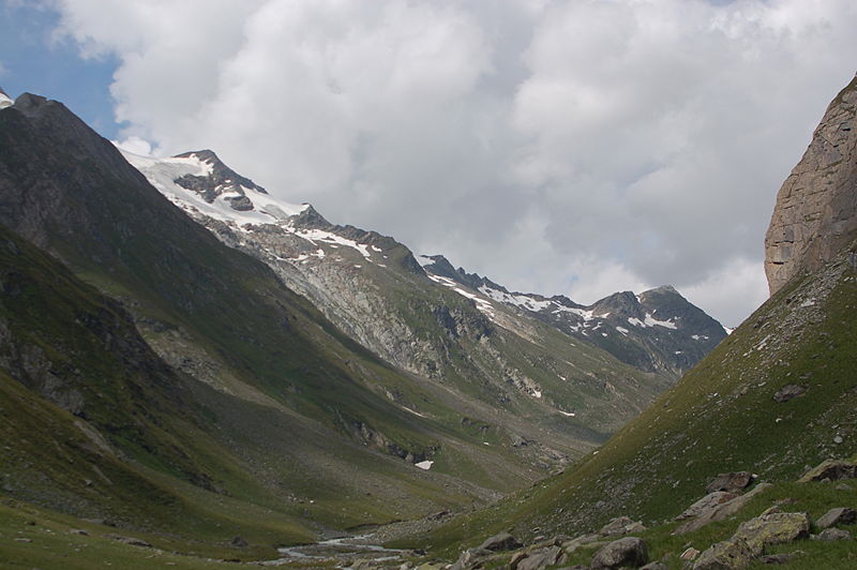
578	147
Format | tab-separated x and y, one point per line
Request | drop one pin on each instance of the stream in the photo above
344	550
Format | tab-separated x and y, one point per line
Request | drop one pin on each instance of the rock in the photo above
831	534
468	559
541	558
730	482
587	539
689	554
773	528
783	558
720	512
816	215
79	531
726	555
501	542
625	552
788	392
833	517
621	526
241	203
238	542
655	566
832	470
129	540
706	503
27	540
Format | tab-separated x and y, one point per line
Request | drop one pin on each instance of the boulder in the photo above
501	542
730	482
706	503
831	534
584	540
720	512
621	526
783	558
628	552
832	470
540	558
833	517
727	555
655	566
788	392
772	528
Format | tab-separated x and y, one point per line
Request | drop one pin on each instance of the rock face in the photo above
816	210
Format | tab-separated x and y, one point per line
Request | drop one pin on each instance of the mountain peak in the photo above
222	177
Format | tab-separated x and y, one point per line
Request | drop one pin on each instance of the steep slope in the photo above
657	331
816	211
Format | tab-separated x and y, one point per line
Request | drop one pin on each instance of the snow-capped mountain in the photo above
351	275
657	330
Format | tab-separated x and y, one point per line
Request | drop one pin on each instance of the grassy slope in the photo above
721	417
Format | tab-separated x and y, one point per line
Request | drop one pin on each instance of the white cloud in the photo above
559	147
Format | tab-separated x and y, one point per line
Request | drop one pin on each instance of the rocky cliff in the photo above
816	210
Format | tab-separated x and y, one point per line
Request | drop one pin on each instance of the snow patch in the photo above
424	465
622	330
650	321
5	101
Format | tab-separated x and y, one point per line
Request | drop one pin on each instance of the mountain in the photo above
775	398
657	331
816	210
252	369
212	383
375	290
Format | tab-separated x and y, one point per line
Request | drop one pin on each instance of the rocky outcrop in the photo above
816	211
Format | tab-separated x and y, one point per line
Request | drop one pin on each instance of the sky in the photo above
578	147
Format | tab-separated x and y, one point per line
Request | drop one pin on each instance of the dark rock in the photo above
129	540
833	517
832	470
788	392
783	558
625	552
730	482
241	203
238	542
501	542
831	534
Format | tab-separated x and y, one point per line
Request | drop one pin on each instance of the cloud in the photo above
561	147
